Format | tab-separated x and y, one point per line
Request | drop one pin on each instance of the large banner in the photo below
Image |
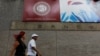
61	10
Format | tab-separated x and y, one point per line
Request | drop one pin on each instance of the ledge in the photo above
17	25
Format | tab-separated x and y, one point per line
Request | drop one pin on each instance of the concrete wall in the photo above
57	43
50	43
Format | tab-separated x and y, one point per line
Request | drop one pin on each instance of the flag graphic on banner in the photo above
41	10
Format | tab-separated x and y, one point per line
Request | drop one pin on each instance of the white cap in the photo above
33	35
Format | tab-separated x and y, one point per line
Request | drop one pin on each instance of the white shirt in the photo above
31	44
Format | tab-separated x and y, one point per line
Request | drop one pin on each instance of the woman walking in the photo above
19	46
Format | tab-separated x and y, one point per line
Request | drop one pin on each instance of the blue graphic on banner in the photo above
83	16
77	11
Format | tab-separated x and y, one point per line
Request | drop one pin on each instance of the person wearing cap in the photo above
19	46
32	50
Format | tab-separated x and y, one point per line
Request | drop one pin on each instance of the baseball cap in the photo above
33	35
